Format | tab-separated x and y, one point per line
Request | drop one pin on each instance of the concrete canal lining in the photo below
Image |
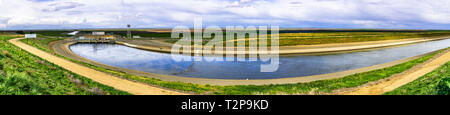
62	48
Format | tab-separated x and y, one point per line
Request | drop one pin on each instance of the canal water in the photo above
290	66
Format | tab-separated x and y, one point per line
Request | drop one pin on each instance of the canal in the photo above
290	66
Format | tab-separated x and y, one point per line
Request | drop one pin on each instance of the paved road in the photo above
100	77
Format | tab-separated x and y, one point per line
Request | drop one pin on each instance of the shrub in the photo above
444	86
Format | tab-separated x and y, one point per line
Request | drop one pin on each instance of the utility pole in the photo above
129	31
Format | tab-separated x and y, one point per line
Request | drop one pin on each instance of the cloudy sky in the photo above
68	14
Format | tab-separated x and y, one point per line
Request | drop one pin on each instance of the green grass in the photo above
433	83
287	39
42	43
53	33
22	73
323	86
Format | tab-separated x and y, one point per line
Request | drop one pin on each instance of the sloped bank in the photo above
399	80
22	73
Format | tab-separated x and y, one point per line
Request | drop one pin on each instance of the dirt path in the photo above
403	78
103	78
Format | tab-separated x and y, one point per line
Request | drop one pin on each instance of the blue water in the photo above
290	66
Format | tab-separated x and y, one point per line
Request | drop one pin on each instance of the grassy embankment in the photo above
291	39
433	83
287	39
22	73
317	87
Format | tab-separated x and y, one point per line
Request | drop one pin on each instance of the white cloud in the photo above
61	6
168	13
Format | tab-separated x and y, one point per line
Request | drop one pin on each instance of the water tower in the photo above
129	31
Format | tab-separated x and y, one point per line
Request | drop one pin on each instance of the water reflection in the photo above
290	66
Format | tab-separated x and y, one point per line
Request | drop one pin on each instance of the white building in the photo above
73	33
30	35
136	36
98	33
